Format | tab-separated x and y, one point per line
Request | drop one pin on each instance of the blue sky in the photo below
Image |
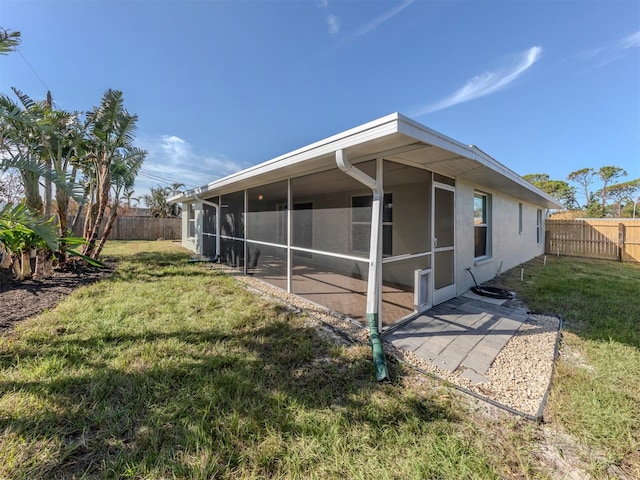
542	86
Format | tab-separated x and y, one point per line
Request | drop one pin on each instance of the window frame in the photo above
520	224
191	219
485	224
539	222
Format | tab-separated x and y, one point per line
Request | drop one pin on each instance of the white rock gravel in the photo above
518	378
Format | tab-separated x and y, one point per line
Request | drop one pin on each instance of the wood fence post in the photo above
547	241
621	240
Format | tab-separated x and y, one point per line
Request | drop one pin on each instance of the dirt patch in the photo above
21	300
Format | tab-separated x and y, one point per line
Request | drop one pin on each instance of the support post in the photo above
289	237
621	240
217	207
374	278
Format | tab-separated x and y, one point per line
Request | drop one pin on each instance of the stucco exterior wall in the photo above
509	247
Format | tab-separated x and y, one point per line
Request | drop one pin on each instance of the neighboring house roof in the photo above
394	137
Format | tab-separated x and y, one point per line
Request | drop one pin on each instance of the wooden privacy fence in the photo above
140	228
612	239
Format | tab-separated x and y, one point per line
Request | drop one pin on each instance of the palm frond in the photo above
61	180
26	101
9	41
19	215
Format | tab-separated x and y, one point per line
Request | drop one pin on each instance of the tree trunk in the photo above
107	231
17	268
62	201
103	200
32	191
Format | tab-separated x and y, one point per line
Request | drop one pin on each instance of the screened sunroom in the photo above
307	222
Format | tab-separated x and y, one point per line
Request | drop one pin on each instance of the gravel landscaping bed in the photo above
518	378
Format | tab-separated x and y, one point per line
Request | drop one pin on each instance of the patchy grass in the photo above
167	370
596	391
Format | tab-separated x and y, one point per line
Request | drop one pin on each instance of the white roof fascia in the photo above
355	136
472	152
393	123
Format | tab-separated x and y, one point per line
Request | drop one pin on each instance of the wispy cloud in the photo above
488	82
630	41
376	22
604	55
333	22
172	159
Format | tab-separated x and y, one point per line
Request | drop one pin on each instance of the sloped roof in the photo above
393	137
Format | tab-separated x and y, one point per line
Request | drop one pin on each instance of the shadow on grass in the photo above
226	393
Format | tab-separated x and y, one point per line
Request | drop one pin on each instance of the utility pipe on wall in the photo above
374	278
217	207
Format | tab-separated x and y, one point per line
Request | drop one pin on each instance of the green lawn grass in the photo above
168	370
596	390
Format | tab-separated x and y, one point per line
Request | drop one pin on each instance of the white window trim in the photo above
191	220
520	218
539	226
487	205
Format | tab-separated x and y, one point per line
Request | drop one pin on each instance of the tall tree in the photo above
584	178
19	141
558	189
157	200
607	174
123	174
623	192
111	132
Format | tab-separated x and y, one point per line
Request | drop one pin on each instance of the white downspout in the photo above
374	279
217	207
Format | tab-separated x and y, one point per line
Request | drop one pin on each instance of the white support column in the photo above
374	279
218	211
379	181
218	225
289	236
245	228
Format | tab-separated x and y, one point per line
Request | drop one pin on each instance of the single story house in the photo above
382	219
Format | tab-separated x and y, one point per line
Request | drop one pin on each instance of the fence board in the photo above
140	228
612	239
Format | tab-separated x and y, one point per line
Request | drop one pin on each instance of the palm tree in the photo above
18	142
110	131
125	168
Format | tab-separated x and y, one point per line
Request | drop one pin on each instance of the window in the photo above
520	218
361	223
192	220
539	226
481	219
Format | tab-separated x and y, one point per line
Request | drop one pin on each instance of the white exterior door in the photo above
443	237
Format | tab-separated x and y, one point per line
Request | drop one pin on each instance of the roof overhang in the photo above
393	137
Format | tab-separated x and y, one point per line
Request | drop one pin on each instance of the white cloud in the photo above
604	55
376	22
334	24
172	159
488	82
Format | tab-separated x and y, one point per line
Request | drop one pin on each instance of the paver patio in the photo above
465	333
